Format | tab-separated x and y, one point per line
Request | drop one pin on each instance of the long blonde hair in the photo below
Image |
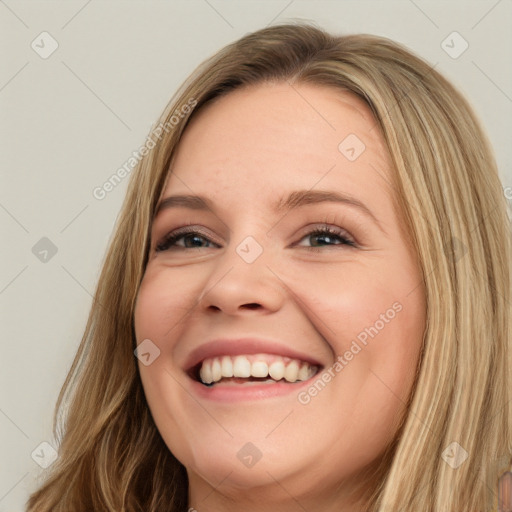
448	192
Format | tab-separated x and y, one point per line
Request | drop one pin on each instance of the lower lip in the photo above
243	392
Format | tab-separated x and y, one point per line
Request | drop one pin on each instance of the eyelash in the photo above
170	239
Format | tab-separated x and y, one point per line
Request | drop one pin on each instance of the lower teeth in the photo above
241	381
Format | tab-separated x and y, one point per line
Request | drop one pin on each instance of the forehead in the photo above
271	137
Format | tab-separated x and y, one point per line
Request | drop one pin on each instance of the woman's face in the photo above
336	318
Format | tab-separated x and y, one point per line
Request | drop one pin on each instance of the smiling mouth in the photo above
250	369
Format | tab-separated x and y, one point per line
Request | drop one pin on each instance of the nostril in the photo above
253	305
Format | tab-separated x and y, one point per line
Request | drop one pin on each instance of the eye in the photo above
190	238
327	236
186	238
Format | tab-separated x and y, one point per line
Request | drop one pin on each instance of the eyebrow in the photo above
296	199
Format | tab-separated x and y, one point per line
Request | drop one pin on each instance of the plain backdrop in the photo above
71	118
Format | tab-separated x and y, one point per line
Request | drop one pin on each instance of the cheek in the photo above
375	324
162	310
164	301
352	300
374	321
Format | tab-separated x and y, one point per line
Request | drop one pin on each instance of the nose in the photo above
236	286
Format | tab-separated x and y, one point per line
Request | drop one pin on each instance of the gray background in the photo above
70	120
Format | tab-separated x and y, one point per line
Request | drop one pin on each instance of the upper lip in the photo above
241	346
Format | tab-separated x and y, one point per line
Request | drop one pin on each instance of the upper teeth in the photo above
260	365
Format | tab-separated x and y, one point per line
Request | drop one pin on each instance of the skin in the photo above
244	152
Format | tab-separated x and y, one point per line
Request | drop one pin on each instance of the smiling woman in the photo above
313	270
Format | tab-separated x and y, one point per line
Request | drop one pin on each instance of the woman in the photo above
312	266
